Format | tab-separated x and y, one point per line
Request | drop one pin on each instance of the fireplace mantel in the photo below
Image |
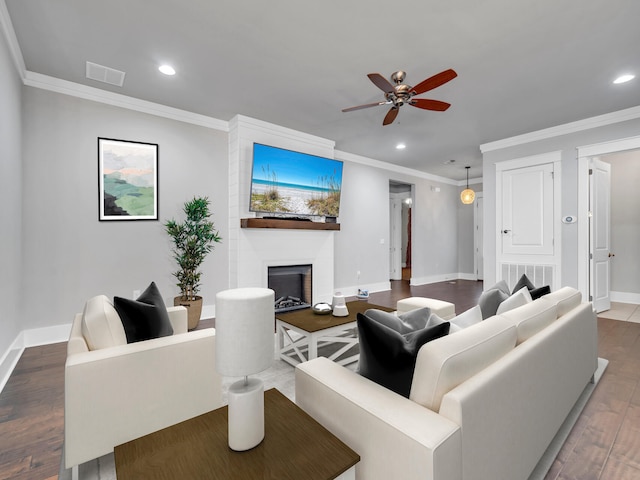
286	224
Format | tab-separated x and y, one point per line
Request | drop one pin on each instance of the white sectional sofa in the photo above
485	401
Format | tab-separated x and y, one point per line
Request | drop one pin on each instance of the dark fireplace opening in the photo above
292	286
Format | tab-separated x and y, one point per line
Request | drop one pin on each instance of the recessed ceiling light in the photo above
401	146
624	78
167	69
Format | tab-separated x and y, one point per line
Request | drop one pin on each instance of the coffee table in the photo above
295	446
313	331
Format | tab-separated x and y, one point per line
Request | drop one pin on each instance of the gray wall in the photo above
567	144
435	230
625	221
10	199
364	220
69	255
466	232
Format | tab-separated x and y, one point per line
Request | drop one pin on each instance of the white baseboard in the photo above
46	335
468	276
625	297
208	312
372	287
441	278
30	338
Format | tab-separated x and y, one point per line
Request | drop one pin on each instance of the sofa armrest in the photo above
178	317
115	395
394	436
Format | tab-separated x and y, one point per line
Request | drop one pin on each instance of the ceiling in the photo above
522	65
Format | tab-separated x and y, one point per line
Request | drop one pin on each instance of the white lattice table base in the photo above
296	345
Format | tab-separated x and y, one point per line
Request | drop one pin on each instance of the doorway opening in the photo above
606	229
400	217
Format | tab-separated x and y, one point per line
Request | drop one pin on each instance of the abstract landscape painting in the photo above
128	180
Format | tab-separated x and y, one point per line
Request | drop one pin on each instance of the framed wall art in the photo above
127	180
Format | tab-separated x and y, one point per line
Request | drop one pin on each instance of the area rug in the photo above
281	376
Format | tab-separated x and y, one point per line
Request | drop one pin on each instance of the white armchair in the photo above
121	391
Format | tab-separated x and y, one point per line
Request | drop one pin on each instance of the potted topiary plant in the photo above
192	240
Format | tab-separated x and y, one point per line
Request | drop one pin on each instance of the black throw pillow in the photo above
144	318
388	357
539	292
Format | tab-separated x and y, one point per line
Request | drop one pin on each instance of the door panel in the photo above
527	221
600	183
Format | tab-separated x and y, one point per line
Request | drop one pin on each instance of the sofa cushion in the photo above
447	362
101	325
566	299
403	323
529	319
521	297
490	300
387	356
144	318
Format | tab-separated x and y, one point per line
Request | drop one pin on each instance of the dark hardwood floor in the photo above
604	444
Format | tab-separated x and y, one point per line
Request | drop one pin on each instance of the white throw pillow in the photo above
521	297
466	319
101	324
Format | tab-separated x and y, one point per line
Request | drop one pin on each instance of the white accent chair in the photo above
116	392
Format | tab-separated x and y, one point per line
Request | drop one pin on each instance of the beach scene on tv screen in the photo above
294	183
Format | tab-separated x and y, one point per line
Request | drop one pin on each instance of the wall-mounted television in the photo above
285	182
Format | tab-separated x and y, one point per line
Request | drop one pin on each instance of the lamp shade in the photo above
244	331
467	196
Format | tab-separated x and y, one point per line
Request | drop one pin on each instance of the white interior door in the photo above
600	234
528	210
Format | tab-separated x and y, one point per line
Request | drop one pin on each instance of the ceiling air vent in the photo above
104	74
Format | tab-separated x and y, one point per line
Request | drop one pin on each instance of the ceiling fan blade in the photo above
360	107
381	82
435	81
428	104
390	116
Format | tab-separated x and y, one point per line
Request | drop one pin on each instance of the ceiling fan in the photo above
399	94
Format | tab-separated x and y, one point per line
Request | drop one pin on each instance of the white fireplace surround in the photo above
253	250
263	248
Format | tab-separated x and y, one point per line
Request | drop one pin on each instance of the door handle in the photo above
505	231
611	254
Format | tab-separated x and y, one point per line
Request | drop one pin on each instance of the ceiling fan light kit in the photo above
400	94
467	196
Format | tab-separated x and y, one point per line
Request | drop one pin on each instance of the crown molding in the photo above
242	122
565	129
73	89
12	40
352	157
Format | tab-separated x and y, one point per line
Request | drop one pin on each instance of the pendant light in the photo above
467	196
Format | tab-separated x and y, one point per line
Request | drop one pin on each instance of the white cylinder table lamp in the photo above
339	305
245	346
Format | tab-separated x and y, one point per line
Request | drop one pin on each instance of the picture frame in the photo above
127	180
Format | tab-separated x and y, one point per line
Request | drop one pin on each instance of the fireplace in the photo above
292	286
